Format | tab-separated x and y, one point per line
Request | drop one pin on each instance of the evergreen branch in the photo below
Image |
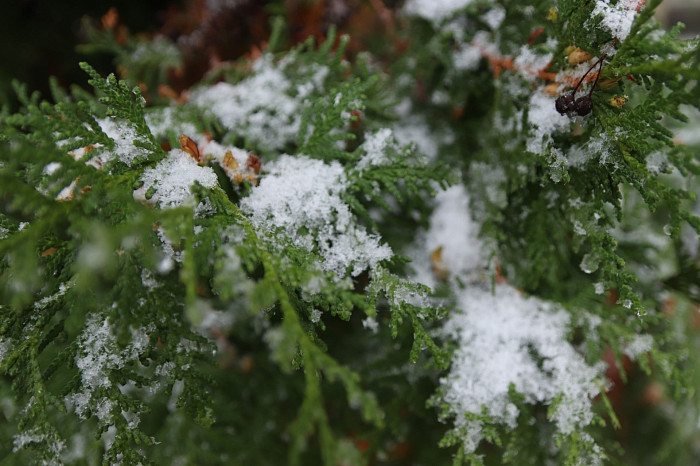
400	294
124	103
313	360
322	122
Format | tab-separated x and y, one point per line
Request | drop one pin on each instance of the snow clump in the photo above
303	198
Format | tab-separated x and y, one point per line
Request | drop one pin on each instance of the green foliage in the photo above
156	308
94	278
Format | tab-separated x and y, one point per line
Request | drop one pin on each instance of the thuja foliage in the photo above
404	256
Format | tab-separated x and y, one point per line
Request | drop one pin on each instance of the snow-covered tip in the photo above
125	135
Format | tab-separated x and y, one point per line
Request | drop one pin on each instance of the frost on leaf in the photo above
302	197
98	356
507	339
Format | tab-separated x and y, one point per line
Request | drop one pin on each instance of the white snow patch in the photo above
618	18
303	197
505	338
51	168
262	107
19	441
99	353
530	63
316	315
434	10
490	178
494	17
640	344
167	53
375	148
371	324
544	120
97	356
5	346
123	133
466	57
172	179
413	128
163	121
453	230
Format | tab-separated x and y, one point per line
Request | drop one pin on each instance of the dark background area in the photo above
39	38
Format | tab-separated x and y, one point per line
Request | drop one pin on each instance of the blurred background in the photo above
41	37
